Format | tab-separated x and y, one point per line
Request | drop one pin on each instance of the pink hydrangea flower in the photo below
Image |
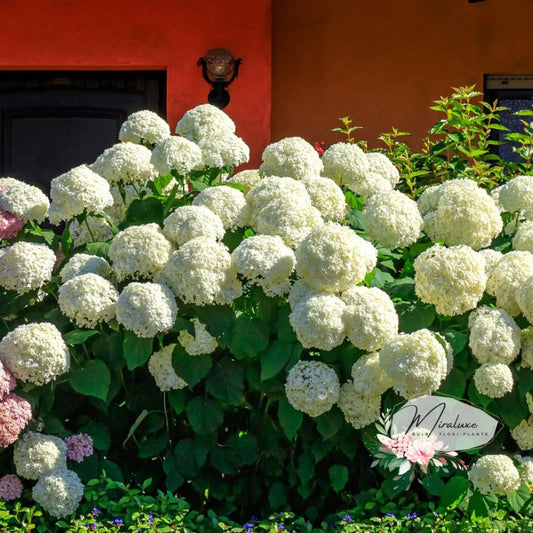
7	381
397	444
15	413
10	224
422	451
79	446
10	487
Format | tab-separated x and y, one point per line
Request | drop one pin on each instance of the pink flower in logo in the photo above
421	451
397	444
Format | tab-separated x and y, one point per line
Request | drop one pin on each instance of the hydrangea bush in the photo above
235	336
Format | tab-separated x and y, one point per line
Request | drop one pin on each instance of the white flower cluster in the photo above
246	179
92	229
517	196
526	358
494	474
76	191
201	272
523	238
144	127
122	198
392	219
527	468
524	298
312	387
493	379
523	434
415	362
490	258
460	212
226	202
202	342
190	221
58	492
318	321
35	352
139	251
146	308
327	197
223	150
369	379
494	335
291	157
332	258
80	264
359	409
36	455
25	266
282	206
506	277
25	201
452	279
346	164
370	317
126	163
176	153
382	174
265	260
204	120
88	299
161	369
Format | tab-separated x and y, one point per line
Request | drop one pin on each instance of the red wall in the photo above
151	34
384	62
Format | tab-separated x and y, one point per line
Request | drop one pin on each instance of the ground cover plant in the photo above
235	337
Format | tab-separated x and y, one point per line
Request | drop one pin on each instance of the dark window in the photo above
515	93
52	121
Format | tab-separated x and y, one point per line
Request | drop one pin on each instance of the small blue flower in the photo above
95	511
390	514
347	518
150	516
117	521
411	515
281	527
92	526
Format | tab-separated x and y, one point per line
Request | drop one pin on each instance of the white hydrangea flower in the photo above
369	379
370	317
35	353
523	434
507	275
524	298
8	182
381	168
318	321
202	342
204	120
122	198
494	474
346	164
526	359
293	157
84	264
92	229
493	380
76	191
332	258
226	202
527	465
276	188
358	409
452	279
392	219
460	212
176	153
416	363
517	196
265	260
161	369
523	238
59	492
312	387
25	266
201	272
88	299
126	163
327	197
246	178
139	251
36	454
25	201
491	258
144	126
300	291
223	150
146	308
494	335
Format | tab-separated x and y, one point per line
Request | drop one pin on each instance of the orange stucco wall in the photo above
151	34
384	62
